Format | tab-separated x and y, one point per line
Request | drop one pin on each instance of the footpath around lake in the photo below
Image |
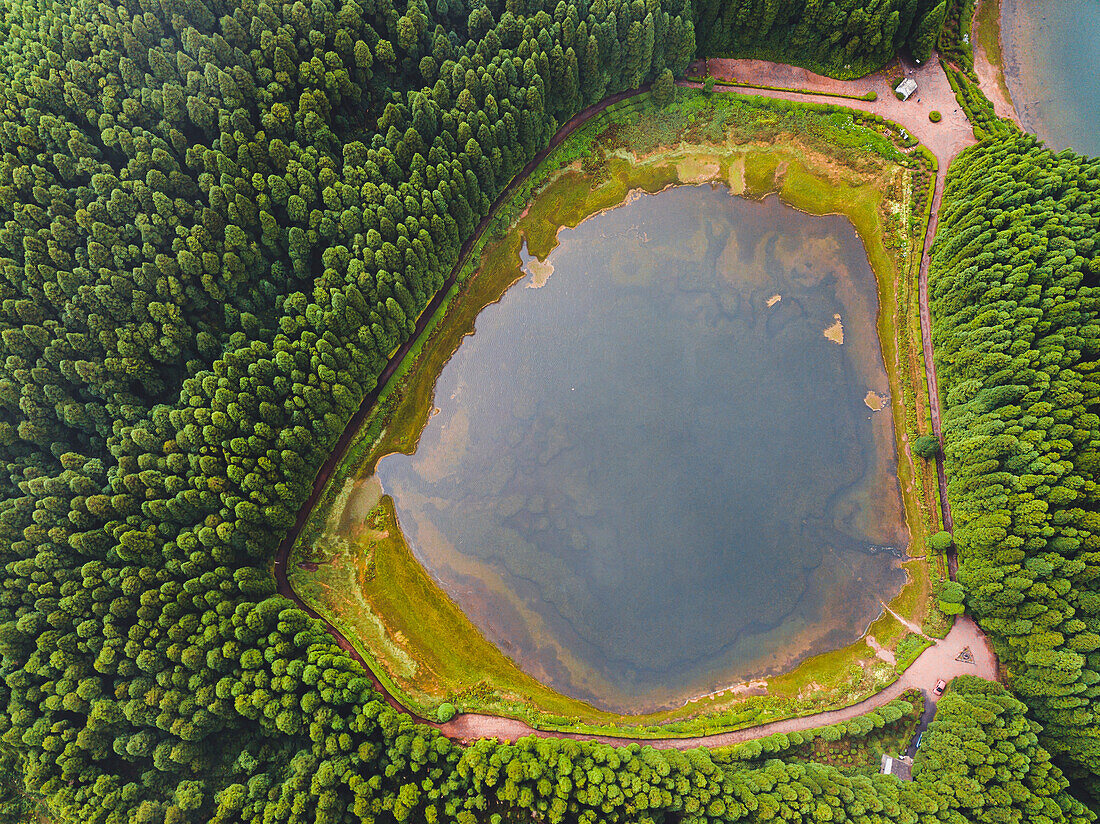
945	140
939	661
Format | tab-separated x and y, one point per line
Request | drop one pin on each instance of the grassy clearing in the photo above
821	159
735	84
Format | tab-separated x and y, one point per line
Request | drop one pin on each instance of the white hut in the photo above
906	88
901	767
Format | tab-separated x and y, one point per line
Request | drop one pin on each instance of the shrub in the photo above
832	733
871	96
926	446
951	598
935	116
708	85
941	541
445	713
663	88
909	648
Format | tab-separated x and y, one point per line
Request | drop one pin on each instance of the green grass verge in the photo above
734	84
415	638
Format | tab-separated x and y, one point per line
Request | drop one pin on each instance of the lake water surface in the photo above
1052	62
660	472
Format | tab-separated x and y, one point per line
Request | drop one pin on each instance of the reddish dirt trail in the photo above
935	662
945	139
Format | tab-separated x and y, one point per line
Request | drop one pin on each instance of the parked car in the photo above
919	737
941	685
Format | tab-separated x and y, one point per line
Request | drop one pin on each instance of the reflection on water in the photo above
672	479
1052	61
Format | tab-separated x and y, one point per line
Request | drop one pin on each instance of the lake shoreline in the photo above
994	75
1013	64
761	179
468	441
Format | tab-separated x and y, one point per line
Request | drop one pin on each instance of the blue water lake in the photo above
1052	61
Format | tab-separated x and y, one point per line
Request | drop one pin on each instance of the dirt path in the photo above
929	360
910	625
934	663
945	140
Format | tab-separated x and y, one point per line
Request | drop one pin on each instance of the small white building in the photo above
906	88
901	767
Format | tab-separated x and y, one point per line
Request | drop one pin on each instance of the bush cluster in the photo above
954	37
908	706
979	110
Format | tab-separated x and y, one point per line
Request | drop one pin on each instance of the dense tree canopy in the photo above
982	757
1017	338
846	38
